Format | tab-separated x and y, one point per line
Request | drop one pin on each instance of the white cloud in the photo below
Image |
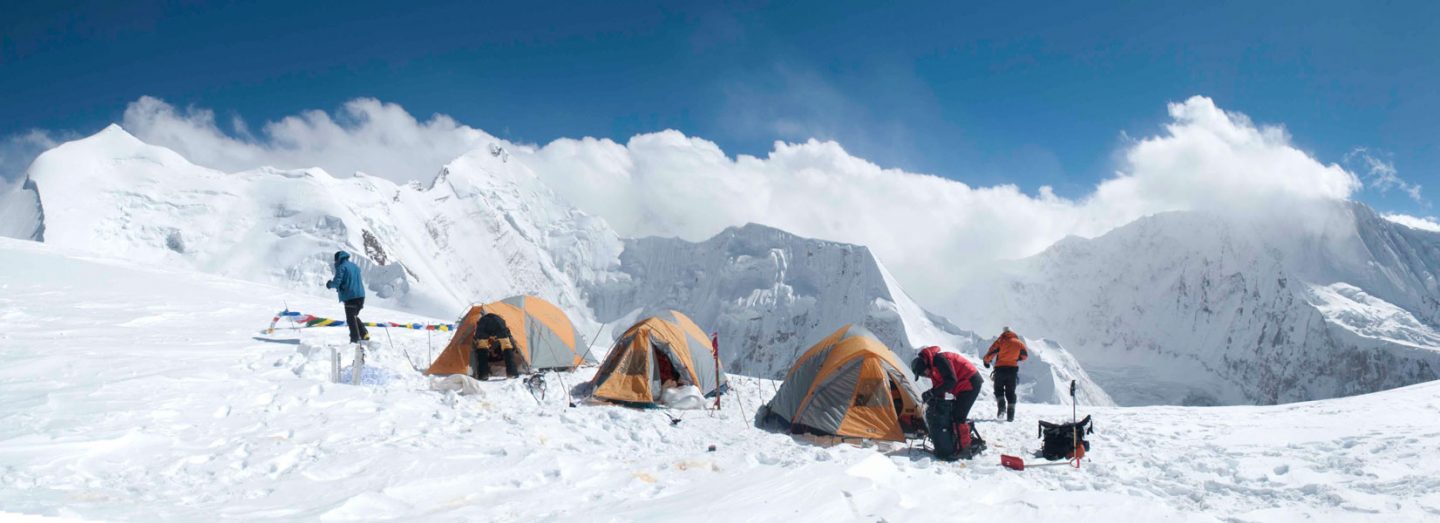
930	231
18	150
1382	173
365	135
1414	222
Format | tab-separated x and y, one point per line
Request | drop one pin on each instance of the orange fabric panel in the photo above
675	336
871	413
455	359
630	379
818	348
686	328
553	318
842	352
848	350
634	386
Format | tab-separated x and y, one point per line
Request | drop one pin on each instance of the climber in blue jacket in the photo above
351	288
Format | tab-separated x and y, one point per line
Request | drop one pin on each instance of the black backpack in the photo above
953	440
1059	439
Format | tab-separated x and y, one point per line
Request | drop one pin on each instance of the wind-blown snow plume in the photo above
930	230
1415	222
17	151
365	135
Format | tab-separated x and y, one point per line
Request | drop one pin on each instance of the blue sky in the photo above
1026	93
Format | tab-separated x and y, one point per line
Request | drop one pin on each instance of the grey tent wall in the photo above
796	386
831	399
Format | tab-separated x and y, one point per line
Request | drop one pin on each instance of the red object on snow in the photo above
1012	462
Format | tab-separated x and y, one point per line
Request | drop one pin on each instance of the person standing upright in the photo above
1006	354
351	288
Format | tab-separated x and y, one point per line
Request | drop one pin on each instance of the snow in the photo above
1414	222
771	295
1352	308
1195	308
135	392
485	230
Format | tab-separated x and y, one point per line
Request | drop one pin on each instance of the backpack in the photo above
1059	439
952	440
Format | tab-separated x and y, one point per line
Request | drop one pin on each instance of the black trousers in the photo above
353	321
964	401
1005	380
480	359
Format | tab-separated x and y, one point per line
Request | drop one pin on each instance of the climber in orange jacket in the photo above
1006	354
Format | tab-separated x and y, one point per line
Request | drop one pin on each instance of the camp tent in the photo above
631	372
850	384
545	336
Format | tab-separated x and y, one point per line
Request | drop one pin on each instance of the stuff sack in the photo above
1059	439
952	441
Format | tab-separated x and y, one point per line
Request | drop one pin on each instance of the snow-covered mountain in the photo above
486	228
1198	308
771	295
129	396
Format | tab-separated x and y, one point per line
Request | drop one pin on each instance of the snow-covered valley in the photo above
141	393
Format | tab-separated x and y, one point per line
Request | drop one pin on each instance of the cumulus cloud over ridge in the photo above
929	230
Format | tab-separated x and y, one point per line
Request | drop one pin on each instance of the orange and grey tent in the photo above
850	384
545	336
631	372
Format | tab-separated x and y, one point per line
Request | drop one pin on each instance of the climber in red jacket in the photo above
952	374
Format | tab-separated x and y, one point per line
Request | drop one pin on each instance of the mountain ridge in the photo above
485	228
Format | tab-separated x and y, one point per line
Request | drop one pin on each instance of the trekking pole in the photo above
1077	452
715	348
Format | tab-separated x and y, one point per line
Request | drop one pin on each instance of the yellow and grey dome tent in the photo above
850	384
654	346
545	336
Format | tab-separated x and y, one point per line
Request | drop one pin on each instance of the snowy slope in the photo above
1198	309
138	393
486	228
771	295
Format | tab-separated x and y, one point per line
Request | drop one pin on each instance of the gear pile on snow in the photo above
1061	439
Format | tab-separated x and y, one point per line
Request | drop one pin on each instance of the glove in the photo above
987	364
329	285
